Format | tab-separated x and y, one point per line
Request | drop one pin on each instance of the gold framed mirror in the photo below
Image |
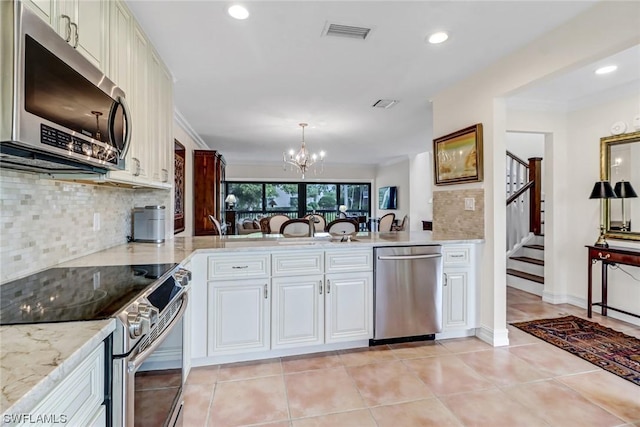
620	164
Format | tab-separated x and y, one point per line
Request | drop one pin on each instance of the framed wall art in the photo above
458	156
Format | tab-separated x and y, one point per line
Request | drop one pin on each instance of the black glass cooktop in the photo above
75	293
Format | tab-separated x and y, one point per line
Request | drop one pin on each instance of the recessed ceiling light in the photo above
238	12
438	37
606	70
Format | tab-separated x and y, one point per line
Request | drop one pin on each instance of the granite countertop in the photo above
180	249
35	358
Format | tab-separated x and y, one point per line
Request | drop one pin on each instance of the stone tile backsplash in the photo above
44	222
451	221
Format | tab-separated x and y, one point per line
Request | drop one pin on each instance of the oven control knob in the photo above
134	320
148	313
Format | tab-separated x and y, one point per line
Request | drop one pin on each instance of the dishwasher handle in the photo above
403	257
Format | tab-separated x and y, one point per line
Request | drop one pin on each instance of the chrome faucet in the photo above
312	221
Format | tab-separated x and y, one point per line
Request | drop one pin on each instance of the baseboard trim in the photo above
582	303
552	298
494	337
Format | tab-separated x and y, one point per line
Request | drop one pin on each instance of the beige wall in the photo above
480	99
393	174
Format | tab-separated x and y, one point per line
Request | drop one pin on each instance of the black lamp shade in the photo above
624	190
602	190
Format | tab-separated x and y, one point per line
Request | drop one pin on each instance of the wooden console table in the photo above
609	256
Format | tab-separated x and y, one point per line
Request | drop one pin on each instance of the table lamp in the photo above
624	190
602	190
231	201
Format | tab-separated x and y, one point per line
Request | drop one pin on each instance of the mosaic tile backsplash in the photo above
451	221
44	222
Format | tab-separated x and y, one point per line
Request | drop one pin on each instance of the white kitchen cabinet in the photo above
239	316
309	308
77	400
297	311
459	305
348	306
86	27
83	24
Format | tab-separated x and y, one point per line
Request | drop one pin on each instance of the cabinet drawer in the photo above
296	263
79	396
457	255
343	261
238	266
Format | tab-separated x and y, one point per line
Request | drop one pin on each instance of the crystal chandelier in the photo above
303	160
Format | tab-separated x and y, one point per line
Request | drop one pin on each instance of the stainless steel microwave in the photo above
58	113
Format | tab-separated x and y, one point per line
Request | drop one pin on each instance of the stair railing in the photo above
524	199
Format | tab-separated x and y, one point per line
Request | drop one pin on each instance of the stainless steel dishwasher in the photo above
407	293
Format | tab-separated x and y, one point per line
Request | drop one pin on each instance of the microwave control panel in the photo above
59	139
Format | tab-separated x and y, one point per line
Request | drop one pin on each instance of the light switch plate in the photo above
469	204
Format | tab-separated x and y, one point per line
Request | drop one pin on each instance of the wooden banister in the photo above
519	193
535	195
517	159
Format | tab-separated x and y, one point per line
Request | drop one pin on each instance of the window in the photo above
297	199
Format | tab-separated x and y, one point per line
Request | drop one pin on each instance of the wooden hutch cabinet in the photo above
208	190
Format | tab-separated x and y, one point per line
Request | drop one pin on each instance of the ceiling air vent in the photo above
385	103
338	30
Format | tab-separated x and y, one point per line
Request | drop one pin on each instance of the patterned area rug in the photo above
611	350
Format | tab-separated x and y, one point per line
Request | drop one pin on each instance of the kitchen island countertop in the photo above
35	358
180	249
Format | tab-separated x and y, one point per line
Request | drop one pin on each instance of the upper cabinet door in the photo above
90	38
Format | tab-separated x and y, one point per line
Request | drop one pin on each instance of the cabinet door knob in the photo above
328	286
266	291
445	279
320	286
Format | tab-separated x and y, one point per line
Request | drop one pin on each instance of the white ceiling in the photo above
245	85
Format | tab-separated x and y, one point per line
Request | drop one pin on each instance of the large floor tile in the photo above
615	394
388	382
501	367
253	401
519	337
359	418
311	362
447	375
551	360
412	350
422	413
321	392
364	356
197	400
464	345
246	370
491	408
560	406
203	375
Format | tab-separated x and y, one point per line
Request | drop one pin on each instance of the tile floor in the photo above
461	382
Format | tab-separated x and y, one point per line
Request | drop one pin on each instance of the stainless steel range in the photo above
147	302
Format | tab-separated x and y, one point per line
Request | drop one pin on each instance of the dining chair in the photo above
386	222
276	221
219	229
298	227
402	226
320	223
342	226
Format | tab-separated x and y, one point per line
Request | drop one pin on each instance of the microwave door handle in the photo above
127	119
134	364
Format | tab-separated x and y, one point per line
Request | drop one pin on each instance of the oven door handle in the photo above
134	364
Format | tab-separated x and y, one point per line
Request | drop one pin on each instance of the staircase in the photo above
525	266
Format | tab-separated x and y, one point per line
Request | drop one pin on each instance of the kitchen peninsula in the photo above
337	259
